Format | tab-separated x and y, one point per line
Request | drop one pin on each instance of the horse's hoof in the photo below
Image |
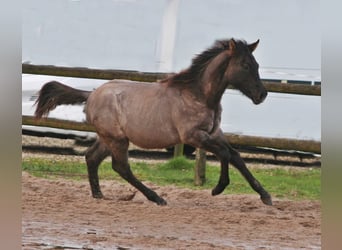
217	190
161	202
267	200
98	195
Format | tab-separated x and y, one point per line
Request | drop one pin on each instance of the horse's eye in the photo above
245	66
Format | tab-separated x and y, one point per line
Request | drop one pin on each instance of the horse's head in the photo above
227	62
242	71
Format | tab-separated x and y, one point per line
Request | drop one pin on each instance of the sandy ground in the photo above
61	214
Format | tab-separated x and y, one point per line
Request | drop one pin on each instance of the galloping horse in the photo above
183	108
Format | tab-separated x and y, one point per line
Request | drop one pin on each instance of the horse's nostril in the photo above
263	95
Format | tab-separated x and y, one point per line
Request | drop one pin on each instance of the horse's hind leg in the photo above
94	156
121	166
239	163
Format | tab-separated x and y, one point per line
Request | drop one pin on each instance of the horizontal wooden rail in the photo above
289	88
301	89
57	123
105	74
276	143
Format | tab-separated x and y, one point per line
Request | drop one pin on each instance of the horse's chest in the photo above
211	121
212	124
204	119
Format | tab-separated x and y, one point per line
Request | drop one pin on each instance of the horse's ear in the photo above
253	46
232	45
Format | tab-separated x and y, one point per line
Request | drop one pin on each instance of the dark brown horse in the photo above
184	108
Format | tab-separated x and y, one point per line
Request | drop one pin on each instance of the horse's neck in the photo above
213	94
212	81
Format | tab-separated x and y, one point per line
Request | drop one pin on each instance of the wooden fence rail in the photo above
301	89
243	140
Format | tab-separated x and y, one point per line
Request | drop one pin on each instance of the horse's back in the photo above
110	94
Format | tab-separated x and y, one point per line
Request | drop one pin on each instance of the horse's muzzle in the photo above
260	98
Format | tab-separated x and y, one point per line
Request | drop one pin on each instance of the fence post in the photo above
201	158
179	149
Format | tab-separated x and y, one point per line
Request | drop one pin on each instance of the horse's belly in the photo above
153	139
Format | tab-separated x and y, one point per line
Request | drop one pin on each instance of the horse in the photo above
182	108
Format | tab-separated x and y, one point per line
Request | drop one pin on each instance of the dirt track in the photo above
60	214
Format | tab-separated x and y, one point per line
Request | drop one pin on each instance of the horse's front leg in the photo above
223	155
224	175
216	144
239	163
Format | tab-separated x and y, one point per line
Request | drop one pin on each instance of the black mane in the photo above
200	62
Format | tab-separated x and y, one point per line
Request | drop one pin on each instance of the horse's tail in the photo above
55	93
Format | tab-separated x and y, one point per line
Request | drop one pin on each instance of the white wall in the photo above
127	34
